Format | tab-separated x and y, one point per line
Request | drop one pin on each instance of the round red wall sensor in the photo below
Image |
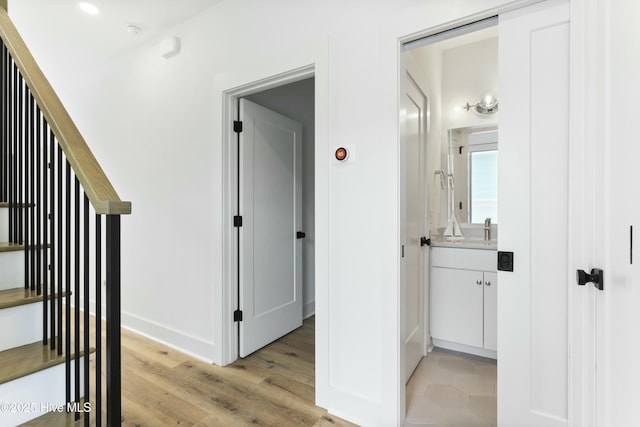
342	154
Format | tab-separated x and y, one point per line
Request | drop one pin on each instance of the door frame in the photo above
231	102
583	141
310	60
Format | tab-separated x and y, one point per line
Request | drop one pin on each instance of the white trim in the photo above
454	346
451	33
181	341
465	20
308	309
178	340
288	67
587	54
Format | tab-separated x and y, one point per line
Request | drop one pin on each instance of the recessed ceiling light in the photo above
89	8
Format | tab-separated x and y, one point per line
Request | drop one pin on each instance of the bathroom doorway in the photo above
528	327
455	73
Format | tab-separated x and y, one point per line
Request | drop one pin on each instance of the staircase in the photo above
59	254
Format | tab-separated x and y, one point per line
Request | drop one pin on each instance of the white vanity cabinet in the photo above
464	300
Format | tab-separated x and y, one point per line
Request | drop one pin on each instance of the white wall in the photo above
152	125
296	101
467	72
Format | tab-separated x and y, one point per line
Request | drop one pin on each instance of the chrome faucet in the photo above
487	229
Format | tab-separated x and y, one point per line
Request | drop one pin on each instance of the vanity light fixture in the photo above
487	104
89	8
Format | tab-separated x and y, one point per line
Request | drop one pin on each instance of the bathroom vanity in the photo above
464	296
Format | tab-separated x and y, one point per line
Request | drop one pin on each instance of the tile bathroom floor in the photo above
451	389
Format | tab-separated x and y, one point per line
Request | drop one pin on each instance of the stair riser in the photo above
4	225
39	393
12	269
25	325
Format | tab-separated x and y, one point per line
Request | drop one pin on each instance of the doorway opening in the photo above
263	160
457	73
277	156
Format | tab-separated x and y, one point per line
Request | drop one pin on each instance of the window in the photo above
483	183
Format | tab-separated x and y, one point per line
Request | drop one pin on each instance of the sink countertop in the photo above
440	241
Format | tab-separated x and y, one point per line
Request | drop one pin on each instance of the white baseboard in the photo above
193	346
448	345
181	341
308	309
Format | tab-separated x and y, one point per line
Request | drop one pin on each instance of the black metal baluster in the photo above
38	208
59	251
67	262
12	143
45	233
17	168
98	396
27	189
60	245
34	201
52	238
77	294
21	143
85	232
114	371
3	123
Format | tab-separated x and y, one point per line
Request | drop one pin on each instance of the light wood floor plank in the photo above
272	387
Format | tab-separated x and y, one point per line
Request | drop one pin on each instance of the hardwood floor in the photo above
272	387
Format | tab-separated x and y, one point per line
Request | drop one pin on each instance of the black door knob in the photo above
424	241
596	277
301	235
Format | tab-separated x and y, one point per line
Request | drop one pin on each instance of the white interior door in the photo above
414	257
533	322
270	293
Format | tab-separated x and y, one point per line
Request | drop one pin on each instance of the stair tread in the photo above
28	359
13	247
18	296
54	419
7	204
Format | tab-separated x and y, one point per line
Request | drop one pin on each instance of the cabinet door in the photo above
491	311
457	306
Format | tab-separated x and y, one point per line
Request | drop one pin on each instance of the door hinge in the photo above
237	221
237	316
237	126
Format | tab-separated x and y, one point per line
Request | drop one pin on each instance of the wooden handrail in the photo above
95	183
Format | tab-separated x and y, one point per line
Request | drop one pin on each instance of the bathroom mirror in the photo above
474	160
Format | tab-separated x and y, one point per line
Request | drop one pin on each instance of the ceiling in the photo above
62	26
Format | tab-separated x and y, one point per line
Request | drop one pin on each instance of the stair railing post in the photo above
114	380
